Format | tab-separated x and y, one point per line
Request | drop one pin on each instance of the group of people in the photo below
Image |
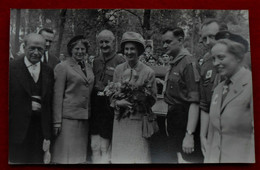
57	109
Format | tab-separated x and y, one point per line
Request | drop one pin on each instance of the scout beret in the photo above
233	37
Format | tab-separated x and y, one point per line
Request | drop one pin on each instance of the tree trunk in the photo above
146	24
26	21
17	30
193	31
61	29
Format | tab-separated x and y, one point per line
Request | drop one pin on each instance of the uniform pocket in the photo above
173	86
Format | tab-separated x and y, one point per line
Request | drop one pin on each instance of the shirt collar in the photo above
137	67
183	52
106	59
28	63
237	75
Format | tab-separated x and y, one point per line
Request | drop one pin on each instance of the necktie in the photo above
82	66
225	89
44	58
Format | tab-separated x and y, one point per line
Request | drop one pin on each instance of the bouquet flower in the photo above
139	96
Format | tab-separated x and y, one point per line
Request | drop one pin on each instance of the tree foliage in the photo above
147	22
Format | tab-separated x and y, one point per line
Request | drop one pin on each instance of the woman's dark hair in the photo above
75	40
139	46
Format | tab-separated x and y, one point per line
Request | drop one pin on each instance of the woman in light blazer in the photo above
73	85
231	131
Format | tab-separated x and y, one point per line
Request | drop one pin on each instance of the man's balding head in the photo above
34	47
106	33
106	41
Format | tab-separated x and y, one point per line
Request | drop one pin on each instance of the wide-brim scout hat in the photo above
233	37
135	38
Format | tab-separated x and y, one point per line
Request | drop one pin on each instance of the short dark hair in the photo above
46	30
176	31
75	40
222	26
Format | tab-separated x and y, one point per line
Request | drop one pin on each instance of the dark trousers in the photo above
102	117
30	150
177	119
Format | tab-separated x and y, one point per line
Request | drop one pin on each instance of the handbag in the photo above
149	125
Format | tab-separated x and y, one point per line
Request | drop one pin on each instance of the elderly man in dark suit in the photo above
48	58
30	99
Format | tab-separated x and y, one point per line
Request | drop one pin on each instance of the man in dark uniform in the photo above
30	105
182	96
48	58
102	114
209	78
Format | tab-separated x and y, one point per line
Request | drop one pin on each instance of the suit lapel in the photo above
217	98
236	89
90	75
23	76
77	68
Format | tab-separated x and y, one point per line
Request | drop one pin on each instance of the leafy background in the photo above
70	22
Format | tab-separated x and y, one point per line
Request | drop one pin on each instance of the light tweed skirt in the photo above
128	145
70	147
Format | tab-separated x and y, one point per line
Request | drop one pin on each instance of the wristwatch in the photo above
189	132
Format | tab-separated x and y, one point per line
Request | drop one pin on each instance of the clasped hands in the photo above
123	103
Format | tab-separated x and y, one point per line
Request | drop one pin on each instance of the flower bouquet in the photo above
140	96
142	100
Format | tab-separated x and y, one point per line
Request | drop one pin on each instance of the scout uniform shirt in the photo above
103	69
182	89
209	80
182	80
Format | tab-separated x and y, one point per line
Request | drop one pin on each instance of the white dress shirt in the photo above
34	69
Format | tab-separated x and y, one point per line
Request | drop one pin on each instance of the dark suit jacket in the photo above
52	60
20	103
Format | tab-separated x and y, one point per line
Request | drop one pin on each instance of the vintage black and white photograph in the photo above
130	86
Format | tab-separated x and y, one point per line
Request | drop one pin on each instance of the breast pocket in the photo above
173	84
109	72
